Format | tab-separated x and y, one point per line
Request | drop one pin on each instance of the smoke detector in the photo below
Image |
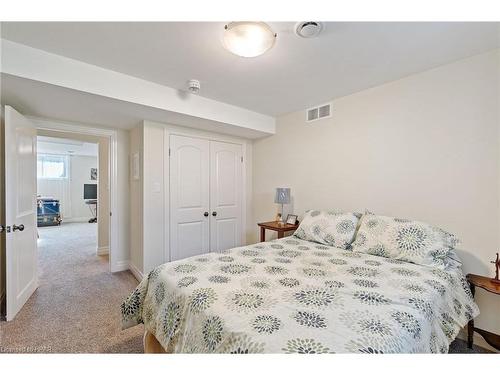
194	86
308	29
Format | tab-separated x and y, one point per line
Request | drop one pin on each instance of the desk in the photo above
92	203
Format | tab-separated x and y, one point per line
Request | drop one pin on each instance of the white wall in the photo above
424	147
70	191
136	203
121	256
155	179
103	202
2	214
80	175
59	189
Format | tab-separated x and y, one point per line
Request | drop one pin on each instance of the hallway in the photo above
76	307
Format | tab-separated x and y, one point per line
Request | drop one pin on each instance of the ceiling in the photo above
46	101
63	146
295	74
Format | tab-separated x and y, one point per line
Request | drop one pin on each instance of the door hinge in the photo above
242	159
110	214
169	152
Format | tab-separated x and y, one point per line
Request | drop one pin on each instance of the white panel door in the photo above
189	197
225	195
20	210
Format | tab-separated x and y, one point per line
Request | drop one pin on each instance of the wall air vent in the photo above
317	113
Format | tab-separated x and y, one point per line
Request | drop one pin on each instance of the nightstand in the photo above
274	225
487	284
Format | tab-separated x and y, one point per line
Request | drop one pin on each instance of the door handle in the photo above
2	228
19	227
205	214
214	213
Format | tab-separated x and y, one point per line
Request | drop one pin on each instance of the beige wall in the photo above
424	147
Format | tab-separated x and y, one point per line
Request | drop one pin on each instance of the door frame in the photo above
185	132
73	128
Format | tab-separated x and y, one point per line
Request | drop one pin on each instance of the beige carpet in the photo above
76	307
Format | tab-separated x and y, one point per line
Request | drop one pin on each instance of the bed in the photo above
296	296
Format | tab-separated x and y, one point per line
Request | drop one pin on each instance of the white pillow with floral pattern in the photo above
406	240
328	228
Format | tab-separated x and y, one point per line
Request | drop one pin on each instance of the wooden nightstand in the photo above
273	225
487	284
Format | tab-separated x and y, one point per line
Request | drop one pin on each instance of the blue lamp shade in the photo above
282	196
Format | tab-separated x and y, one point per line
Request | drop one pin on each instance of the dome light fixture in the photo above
248	39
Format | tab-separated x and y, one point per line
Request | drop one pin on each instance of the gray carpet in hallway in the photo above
76	307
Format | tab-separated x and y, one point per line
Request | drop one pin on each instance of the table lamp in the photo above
282	197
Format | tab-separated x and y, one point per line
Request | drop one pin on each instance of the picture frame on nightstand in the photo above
291	219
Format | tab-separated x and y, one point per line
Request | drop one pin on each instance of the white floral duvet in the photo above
295	296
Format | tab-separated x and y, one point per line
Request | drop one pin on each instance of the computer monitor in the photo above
89	191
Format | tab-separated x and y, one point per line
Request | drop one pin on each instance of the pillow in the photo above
328	228
407	240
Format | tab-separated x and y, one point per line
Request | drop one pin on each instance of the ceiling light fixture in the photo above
248	39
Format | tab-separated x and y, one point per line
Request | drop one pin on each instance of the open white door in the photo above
20	210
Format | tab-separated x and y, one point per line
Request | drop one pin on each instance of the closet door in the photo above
225	195
189	197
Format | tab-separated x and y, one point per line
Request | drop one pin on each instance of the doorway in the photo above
87	197
69	195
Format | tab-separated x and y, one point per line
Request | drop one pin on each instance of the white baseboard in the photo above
135	271
102	250
120	266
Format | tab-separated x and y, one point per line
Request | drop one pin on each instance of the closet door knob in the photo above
205	214
214	213
18	227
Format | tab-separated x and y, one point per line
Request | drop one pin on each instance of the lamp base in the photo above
279	218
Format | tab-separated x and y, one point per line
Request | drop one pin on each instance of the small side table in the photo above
274	225
488	285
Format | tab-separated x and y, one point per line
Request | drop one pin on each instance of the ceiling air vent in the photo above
317	113
308	29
